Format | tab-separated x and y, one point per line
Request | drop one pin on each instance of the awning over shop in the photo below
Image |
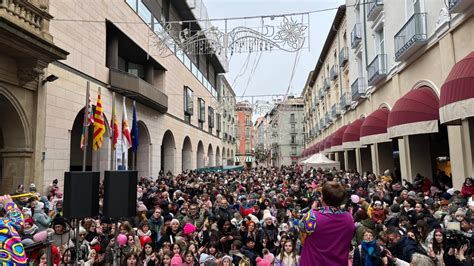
315	148
248	159
336	142
237	159
328	143
374	128
351	136
417	112
457	93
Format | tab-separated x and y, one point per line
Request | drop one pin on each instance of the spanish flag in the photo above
99	125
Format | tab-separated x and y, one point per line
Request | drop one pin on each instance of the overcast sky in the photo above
273	72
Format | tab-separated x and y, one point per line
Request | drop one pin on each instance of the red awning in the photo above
417	112
374	128
337	139
351	136
328	143
316	148
457	93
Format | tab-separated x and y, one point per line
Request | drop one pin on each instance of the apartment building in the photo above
244	153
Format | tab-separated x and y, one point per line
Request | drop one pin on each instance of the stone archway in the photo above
143	152
95	160
218	157
187	154
210	156
168	151
200	155
15	153
224	156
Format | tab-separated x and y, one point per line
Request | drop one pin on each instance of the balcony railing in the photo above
321	93
316	102
411	36
334	72
343	56
327	84
458	6
322	123
335	111
356	35
27	13
373	9
377	69
345	101
358	89
328	119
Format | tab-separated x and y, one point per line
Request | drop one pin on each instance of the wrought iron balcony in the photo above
356	35
327	84
322	123
358	89
345	101
328	119
343	56
335	110
458	6
316	102
373	9
377	69
322	93
411	36
334	72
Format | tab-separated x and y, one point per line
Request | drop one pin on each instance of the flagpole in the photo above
112	136
134	148
123	139
86	129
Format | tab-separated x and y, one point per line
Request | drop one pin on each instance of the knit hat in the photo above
59	221
450	191
269	257
460	212
176	260
227	257
267	215
395	208
189	229
141	207
32	187
203	258
29	221
82	230
412	194
262	262
355	199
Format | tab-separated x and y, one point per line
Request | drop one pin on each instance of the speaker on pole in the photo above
120	194
81	194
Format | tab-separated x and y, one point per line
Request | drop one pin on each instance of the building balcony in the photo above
327	83
322	123
377	69
374	8
322	93
411	36
137	89
358	89
335	110
343	56
345	101
458	6
334	72
356	35
328	119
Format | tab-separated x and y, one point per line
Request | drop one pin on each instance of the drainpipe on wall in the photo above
365	38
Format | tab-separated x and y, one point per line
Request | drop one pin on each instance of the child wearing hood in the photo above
42	220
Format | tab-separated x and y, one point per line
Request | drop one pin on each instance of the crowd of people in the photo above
262	216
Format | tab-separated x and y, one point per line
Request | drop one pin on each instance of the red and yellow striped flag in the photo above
99	125
115	129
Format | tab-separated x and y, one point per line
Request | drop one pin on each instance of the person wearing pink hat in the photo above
176	260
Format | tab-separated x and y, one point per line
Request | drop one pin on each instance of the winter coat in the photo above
42	220
405	248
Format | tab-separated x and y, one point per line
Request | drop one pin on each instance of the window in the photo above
210	118
188	104
292	118
218	121
293	140
202	112
412	7
380	41
293	151
293	128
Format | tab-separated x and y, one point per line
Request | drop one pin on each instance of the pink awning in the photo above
417	112
351	136
374	128
457	93
337	139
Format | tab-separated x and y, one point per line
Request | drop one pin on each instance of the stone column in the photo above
358	158
17	165
405	162
375	159
346	160
460	152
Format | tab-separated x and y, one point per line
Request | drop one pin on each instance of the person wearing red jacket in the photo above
467	188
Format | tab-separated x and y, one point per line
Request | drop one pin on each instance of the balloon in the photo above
122	239
144	240
40	236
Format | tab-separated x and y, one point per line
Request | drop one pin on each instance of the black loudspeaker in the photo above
120	194
81	194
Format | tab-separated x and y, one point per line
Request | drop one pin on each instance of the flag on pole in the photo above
126	140
88	119
134	129
99	125
114	127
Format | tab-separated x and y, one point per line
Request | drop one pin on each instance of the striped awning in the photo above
457	93
237	159
248	159
417	112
